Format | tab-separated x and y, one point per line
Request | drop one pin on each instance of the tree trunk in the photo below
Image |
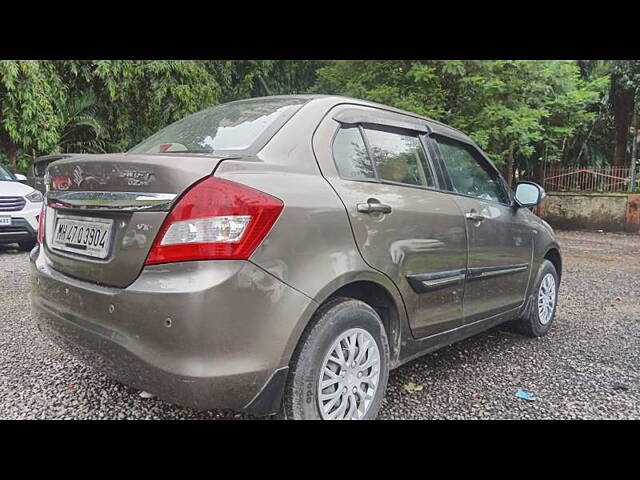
623	105
11	150
538	173
12	155
509	168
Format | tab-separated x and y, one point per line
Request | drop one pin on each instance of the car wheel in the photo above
341	366
27	246
537	319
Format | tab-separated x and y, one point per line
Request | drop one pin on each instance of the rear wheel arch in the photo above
381	300
387	304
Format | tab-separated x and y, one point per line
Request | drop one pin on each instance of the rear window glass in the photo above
350	155
234	126
399	158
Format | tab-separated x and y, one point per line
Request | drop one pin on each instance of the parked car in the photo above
35	175
20	207
282	254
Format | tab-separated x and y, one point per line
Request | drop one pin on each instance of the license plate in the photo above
84	235
5	220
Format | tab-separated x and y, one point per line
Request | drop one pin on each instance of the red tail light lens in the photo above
215	219
41	223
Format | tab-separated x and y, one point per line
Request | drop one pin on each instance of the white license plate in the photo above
83	235
5	220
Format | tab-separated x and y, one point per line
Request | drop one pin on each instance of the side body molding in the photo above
429	282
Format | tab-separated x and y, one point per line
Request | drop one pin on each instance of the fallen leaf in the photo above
412	387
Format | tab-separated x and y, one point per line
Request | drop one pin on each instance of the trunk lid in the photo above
127	196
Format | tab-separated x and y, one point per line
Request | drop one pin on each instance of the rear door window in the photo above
399	157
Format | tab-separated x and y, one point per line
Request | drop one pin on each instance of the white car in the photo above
20	207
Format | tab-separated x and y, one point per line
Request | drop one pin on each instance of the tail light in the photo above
41	223
215	219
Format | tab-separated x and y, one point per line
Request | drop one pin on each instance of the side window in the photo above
469	173
350	155
399	157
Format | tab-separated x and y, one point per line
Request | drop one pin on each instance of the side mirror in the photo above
529	194
21	178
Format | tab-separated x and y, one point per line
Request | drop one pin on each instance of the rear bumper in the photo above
204	335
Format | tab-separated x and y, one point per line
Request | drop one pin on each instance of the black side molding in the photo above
429	282
484	272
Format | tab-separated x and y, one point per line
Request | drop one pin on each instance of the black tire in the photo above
300	400
529	323
27	246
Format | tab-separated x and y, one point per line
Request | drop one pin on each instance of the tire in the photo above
532	322
27	246
338	317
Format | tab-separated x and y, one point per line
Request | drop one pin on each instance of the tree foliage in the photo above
29	91
522	113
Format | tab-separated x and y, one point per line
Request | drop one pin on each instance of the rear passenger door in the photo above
403	226
500	240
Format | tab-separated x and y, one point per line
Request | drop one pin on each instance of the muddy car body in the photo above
360	242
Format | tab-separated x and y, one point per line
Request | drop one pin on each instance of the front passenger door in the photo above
500	243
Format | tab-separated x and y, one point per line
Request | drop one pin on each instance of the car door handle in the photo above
474	216
373	206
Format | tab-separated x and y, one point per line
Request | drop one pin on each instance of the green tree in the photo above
140	97
29	92
413	86
82	128
519	112
258	78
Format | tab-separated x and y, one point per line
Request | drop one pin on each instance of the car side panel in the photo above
421	241
311	247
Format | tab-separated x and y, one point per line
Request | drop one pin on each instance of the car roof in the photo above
59	156
436	126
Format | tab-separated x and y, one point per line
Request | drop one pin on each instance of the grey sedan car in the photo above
280	255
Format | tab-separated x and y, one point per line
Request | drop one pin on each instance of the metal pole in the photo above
634	158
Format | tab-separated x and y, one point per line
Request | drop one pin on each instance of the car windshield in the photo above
225	128
6	175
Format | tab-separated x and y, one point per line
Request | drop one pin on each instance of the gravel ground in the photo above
587	367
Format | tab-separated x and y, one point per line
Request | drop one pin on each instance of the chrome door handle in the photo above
373	207
474	217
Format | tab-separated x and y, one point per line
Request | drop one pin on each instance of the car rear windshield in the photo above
244	126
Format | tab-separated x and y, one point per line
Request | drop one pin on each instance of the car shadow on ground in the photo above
10	249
